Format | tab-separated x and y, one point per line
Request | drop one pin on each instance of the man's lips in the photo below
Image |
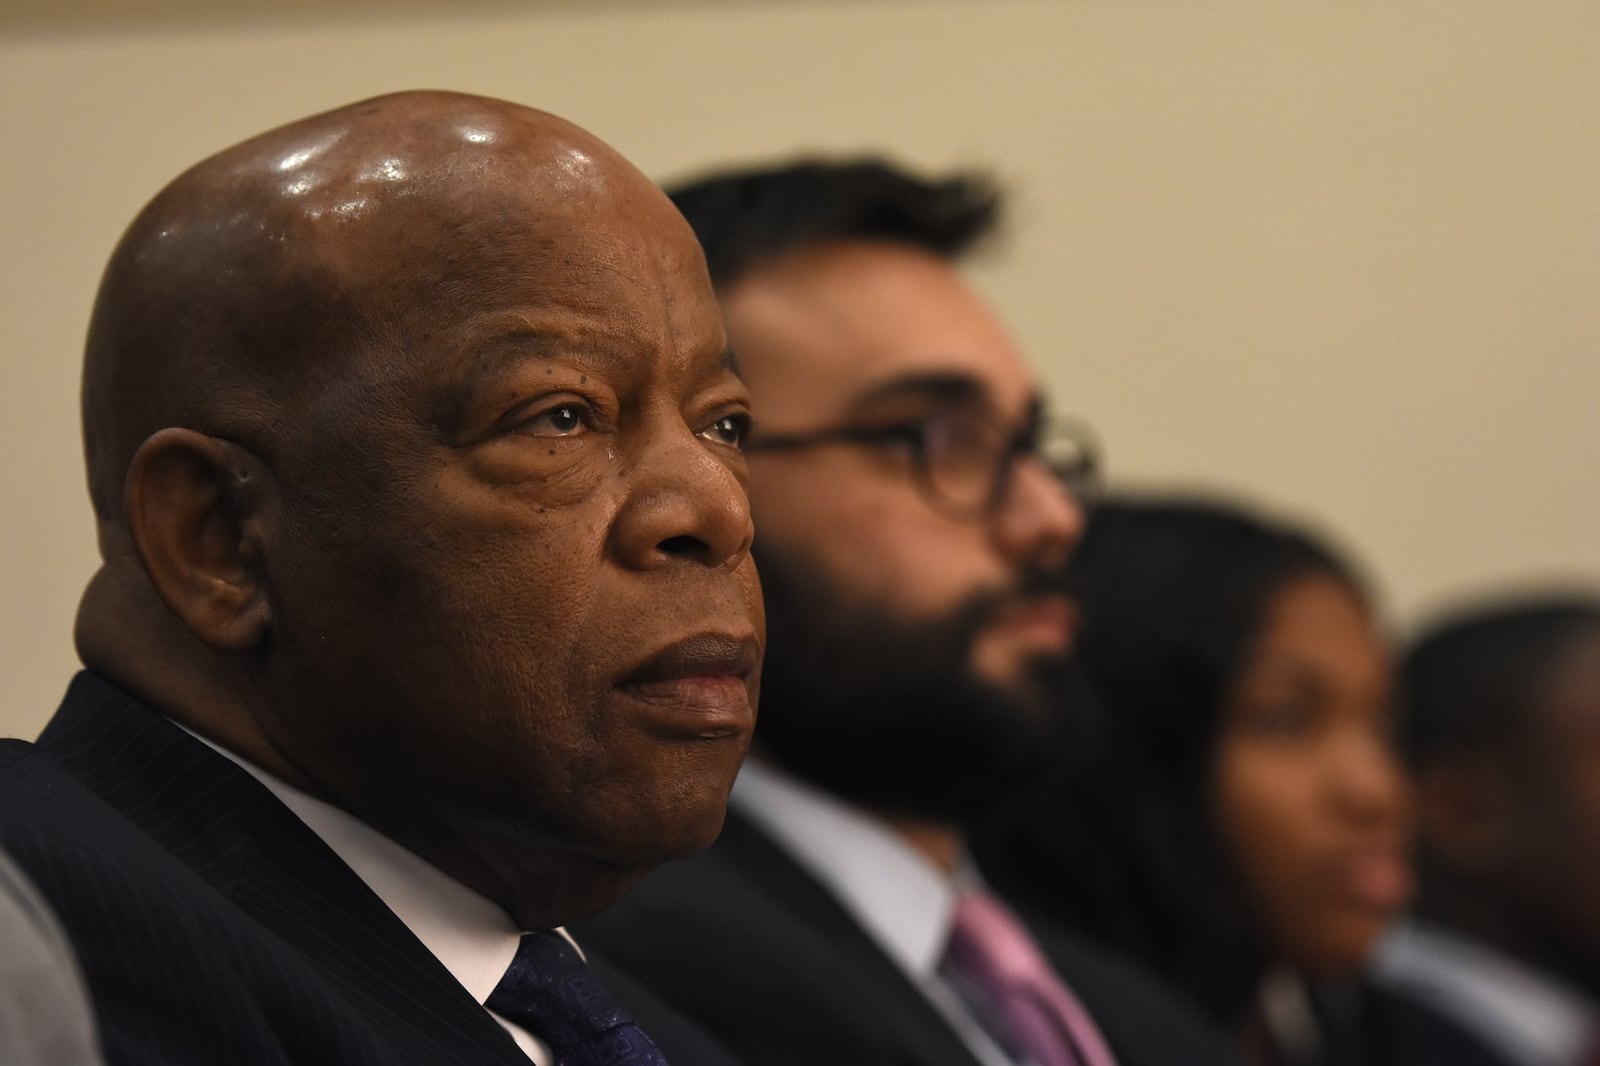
1377	879
700	685
1048	622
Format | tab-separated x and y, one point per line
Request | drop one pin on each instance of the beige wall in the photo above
1342	255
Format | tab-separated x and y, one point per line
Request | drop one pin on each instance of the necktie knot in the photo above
550	992
985	937
999	966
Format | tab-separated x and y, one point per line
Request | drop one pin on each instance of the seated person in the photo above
912	531
1242	826
1502	729
426	621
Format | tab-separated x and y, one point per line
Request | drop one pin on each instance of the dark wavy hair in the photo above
1127	848
745	216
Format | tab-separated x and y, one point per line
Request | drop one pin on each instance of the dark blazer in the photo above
214	927
745	941
1364	1023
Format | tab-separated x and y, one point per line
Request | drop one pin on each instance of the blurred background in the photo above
1341	258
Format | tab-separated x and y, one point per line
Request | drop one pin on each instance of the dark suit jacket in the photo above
1366	1024
745	941
214	927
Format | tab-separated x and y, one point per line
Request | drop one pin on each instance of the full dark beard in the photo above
888	713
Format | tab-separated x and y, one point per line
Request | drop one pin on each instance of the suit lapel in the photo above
228	828
889	995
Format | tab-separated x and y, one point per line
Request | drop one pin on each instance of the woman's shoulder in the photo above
1391	1028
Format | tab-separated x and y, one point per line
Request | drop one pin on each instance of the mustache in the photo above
1034	583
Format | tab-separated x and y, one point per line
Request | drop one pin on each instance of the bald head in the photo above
253	275
416	446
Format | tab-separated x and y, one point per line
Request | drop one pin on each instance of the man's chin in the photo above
1023	638
1014	666
920	717
676	830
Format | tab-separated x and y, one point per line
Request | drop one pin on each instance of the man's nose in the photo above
1039	521
684	504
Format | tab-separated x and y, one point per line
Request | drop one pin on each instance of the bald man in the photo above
426	622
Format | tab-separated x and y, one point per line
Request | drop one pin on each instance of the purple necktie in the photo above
550	992
994	961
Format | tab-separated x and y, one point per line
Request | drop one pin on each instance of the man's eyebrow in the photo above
489	355
493	354
730	363
947	386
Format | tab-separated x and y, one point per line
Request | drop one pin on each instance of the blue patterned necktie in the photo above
550	992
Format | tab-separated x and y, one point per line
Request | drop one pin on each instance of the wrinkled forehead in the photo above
379	191
417	206
264	266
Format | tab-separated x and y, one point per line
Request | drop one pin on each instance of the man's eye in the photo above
731	430
910	436
1283	719
562	421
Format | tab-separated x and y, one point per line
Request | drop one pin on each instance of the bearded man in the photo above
914	506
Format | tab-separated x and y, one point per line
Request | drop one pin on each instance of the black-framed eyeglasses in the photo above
962	457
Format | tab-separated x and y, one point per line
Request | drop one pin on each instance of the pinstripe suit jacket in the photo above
214	927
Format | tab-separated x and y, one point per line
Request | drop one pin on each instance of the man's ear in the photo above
1464	812
193	505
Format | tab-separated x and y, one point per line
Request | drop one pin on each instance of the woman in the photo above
1243	826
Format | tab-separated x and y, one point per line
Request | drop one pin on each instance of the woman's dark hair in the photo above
1127	847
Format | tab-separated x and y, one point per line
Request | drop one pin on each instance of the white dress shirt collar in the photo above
473	937
902	901
1531	1016
899	897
